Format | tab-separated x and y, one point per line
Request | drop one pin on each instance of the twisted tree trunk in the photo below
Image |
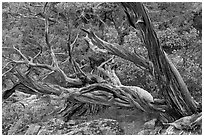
172	87
171	84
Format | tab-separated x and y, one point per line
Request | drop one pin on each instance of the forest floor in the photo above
33	115
21	111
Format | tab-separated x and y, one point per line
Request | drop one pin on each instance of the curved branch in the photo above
118	51
168	78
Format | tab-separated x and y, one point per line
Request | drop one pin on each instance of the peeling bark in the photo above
168	78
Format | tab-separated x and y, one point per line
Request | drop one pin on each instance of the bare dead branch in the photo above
16	61
67	59
12	68
77	69
46	75
75	40
168	78
21	54
70	47
117	50
94	47
54	59
63	54
7	64
39	53
109	60
27	61
110	73
111	95
47	32
114	78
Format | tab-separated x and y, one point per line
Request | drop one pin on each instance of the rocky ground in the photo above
33	115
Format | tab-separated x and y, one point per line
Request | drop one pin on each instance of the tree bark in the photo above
171	84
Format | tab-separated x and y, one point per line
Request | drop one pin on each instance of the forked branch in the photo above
117	50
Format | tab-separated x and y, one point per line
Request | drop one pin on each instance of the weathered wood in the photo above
171	84
119	51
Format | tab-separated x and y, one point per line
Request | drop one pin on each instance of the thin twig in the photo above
44	77
7	64
24	57
9	70
39	53
102	64
16	61
72	45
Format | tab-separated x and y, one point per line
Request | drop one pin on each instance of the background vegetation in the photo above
178	26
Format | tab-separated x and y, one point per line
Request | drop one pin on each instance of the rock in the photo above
97	127
144	132
94	127
72	122
33	129
150	124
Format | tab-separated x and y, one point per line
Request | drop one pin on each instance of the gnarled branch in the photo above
168	78
119	51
